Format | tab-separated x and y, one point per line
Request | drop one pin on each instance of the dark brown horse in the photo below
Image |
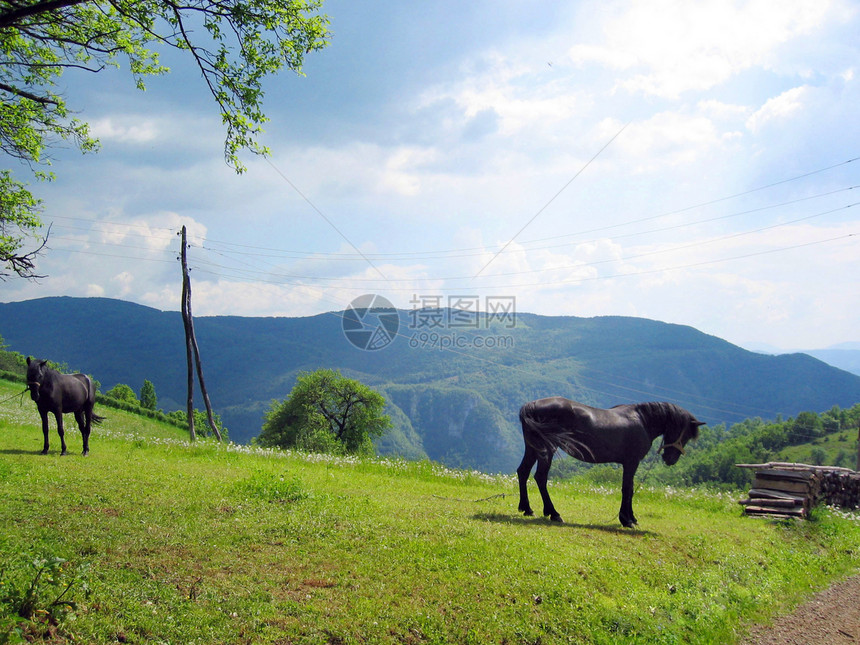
622	435
60	394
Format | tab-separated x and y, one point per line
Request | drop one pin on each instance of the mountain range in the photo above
454	382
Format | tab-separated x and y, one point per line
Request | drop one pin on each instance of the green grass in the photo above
149	539
837	448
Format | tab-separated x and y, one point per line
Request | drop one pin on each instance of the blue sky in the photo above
687	162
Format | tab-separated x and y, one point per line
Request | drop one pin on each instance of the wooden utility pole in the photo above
186	320
191	348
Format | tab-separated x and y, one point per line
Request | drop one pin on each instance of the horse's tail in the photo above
546	435
538	433
91	393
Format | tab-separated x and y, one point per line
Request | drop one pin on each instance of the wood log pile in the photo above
840	489
791	490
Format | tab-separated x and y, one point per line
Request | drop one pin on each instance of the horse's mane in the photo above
672	418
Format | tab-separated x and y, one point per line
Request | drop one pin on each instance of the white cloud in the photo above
523	100
776	110
128	129
355	170
670	138
669	47
123	282
401	170
720	111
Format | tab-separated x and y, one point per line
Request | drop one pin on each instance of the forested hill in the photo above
456	405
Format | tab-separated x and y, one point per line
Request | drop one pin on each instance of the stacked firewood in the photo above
791	490
840	487
781	492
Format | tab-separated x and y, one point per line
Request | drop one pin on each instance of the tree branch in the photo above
44	100
23	265
20	13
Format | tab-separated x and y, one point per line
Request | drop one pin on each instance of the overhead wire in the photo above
549	203
445	254
721	199
581	265
480	251
217	269
362	283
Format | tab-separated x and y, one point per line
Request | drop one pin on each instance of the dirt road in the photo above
832	617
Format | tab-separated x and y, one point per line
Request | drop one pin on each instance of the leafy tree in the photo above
326	412
19	219
202	427
818	456
201	422
148	399
122	392
234	43
11	361
806	427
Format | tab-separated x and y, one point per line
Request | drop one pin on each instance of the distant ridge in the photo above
845	356
456	405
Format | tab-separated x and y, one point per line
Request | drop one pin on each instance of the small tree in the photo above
11	361
148	399
201	423
326	412
122	392
818	456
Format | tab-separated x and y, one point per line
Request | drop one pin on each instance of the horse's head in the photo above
674	439
36	370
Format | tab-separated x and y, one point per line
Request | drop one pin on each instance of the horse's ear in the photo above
695	430
28	360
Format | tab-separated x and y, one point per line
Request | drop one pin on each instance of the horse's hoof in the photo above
555	517
529	513
44	452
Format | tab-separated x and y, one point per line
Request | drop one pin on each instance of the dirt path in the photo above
832	617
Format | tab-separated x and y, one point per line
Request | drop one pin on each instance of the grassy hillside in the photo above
152	540
836	449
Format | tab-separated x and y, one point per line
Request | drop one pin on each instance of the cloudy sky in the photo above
692	162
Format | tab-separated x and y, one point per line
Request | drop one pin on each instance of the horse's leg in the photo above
523	472
626	513
44	415
541	477
84	419
59	417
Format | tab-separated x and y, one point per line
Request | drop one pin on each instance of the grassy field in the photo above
838	448
152	540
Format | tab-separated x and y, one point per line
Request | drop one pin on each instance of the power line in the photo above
479	251
323	215
446	254
390	284
682	247
552	199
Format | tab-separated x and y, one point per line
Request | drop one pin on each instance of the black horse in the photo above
61	394
622	435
